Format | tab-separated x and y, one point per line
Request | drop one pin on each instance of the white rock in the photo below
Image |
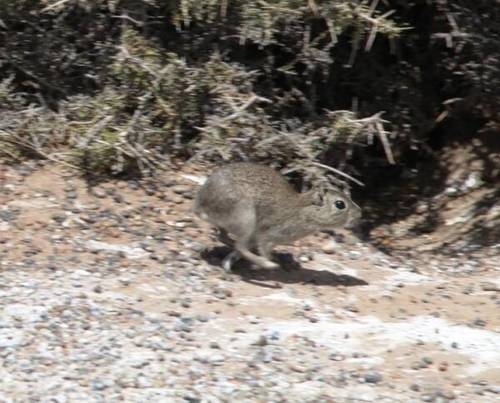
11	337
26	313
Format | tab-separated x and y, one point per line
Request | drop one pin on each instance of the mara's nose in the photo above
354	217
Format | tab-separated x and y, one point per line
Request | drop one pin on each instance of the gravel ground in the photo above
114	293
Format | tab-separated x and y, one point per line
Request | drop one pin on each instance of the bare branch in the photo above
338	172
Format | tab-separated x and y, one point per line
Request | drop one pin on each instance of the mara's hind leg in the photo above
224	237
230	260
234	255
242	247
247	246
265	249
241	224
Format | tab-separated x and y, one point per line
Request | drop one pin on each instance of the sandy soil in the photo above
115	293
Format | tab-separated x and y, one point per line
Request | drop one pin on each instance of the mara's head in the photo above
335	208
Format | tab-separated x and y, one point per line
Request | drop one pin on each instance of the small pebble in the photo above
372	377
493	389
479	322
489	286
99	192
262	341
330	247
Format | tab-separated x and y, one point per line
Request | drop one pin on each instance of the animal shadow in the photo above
291	271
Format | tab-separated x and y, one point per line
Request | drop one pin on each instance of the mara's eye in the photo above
340	204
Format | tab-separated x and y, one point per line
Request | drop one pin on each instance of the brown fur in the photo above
260	209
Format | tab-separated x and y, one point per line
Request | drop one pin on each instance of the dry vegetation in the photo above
136	82
126	86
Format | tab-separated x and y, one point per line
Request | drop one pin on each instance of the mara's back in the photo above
252	180
258	185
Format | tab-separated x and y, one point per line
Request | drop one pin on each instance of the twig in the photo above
331	30
94	131
10	154
135	60
54	5
354	49
223	9
385	142
246	105
373	6
338	172
313	7
16	140
371	38
128	18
